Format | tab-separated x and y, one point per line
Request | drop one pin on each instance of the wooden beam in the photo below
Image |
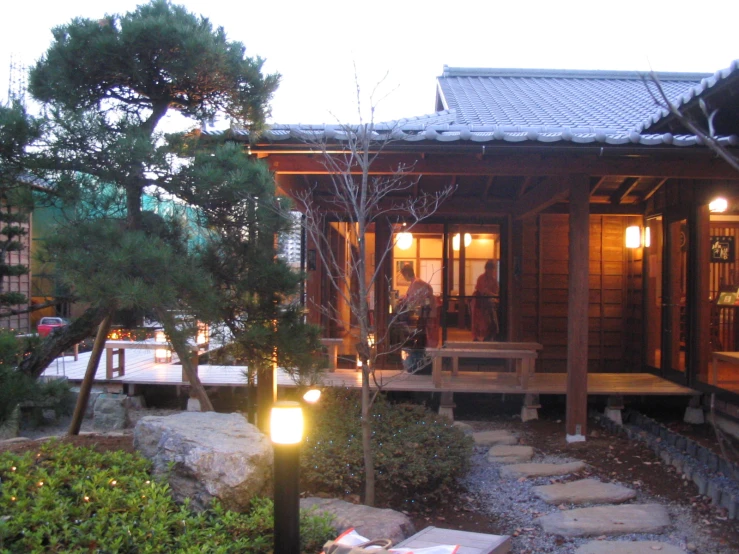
515	164
596	185
654	189
624	190
577	309
488	184
548	192
450	207
627	210
452	184
524	186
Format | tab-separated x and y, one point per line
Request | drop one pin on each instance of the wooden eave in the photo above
520	180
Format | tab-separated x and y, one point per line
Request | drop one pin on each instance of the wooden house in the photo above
552	170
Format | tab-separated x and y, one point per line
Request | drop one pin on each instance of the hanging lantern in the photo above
404	240
718	205
633	236
455	241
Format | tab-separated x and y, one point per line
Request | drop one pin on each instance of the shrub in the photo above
418	454
18	388
65	498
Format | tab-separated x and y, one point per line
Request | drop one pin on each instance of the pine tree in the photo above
106	85
256	290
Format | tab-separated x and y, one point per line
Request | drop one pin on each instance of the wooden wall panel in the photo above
615	295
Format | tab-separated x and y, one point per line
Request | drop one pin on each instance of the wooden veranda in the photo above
141	370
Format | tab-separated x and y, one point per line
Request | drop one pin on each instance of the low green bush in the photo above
418	455
17	388
69	499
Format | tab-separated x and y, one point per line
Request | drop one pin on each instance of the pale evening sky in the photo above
314	44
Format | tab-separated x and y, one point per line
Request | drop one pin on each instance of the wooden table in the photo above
332	345
469	542
731	357
524	359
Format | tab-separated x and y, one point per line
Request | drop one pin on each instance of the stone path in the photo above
610	516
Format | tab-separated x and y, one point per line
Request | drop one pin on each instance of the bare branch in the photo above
707	136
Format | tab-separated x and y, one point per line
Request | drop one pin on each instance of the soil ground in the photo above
610	457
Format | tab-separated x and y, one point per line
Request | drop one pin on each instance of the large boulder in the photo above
110	412
214	456
373	523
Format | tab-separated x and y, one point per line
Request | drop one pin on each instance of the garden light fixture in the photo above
286	430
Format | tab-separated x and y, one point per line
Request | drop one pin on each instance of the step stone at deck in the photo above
584	491
492	438
628	547
468	541
517	471
607	520
505	454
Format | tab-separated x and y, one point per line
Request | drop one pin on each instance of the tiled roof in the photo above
529	105
614	100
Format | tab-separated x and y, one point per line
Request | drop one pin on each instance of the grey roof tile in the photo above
616	100
529	105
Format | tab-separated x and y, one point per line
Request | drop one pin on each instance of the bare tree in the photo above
358	198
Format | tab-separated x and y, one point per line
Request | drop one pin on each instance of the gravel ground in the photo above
512	503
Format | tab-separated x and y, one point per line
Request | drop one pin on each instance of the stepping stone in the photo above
541	470
584	491
628	547
607	520
464	427
505	454
491	438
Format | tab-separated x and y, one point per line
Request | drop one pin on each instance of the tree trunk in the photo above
179	343
64	338
369	462
92	367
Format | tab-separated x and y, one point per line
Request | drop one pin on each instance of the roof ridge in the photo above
567	73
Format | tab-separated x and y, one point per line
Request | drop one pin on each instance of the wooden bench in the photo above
469	542
484	345
332	345
731	357
523	354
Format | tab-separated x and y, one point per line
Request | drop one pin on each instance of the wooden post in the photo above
384	265
699	319
577	311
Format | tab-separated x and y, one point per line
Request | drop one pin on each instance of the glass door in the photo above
472	277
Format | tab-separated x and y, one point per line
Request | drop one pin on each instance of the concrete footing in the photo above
447	405
530	409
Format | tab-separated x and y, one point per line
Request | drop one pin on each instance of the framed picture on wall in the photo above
723	250
399	278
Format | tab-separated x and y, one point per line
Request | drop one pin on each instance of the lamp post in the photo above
286	430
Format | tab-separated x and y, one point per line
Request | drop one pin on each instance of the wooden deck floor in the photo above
141	370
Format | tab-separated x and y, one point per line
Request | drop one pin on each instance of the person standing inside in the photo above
420	304
485	305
